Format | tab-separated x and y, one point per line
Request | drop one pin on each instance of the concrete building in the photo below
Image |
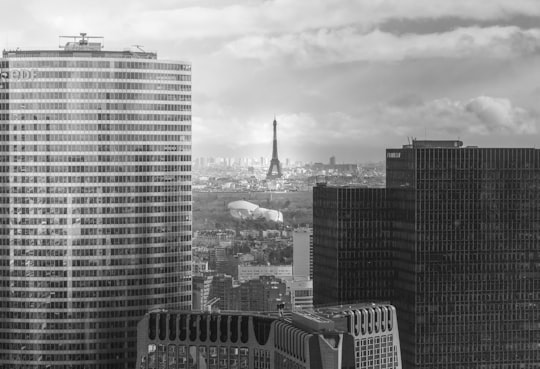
202	285
303	253
247	272
301	294
95	202
363	336
222	288
262	294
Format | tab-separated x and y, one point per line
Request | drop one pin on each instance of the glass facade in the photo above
351	249
95	204
459	233
465	230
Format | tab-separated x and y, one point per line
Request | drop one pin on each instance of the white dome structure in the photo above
242	209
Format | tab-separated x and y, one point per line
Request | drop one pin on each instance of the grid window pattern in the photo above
195	357
95	203
351	250
466	235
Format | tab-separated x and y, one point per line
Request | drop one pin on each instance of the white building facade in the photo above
248	272
95	202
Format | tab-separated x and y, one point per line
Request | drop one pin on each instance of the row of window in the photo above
135	312
93	148
94	169
180	237
94	200
195	357
112	74
79	85
105	126
88	190
136	117
95	221
100	64
112	178
103	106
95	158
59	95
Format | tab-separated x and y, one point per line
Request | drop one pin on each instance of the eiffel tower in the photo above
275	167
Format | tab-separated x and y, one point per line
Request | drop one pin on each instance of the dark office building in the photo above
466	231
464	225
351	254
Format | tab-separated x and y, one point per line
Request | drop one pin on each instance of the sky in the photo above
344	78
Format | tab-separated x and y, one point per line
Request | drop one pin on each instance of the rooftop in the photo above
81	46
422	144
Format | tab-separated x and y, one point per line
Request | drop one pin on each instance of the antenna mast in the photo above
82	40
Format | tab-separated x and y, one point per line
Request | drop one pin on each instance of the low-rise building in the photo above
363	336
248	272
301	294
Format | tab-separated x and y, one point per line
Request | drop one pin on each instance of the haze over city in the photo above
344	78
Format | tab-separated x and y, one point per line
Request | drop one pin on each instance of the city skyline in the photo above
344	78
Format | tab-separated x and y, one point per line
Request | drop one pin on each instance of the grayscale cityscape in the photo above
270	184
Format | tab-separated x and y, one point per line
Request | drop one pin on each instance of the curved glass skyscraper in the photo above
95	202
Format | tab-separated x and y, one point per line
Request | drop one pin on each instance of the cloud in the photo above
498	115
175	21
328	46
480	116
303	134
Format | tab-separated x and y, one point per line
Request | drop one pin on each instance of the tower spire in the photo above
275	166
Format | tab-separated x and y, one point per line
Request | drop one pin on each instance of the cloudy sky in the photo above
344	77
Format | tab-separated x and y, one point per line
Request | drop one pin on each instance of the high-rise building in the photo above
95	202
303	253
465	230
352	258
462	228
362	336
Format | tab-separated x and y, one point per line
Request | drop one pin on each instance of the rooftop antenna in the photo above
82	39
139	47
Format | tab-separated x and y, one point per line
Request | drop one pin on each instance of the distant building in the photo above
248	272
303	253
202	285
222	288
217	257
271	233
199	267
262	294
332	160
363	336
301	294
244	259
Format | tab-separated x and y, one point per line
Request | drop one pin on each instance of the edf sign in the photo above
18	75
